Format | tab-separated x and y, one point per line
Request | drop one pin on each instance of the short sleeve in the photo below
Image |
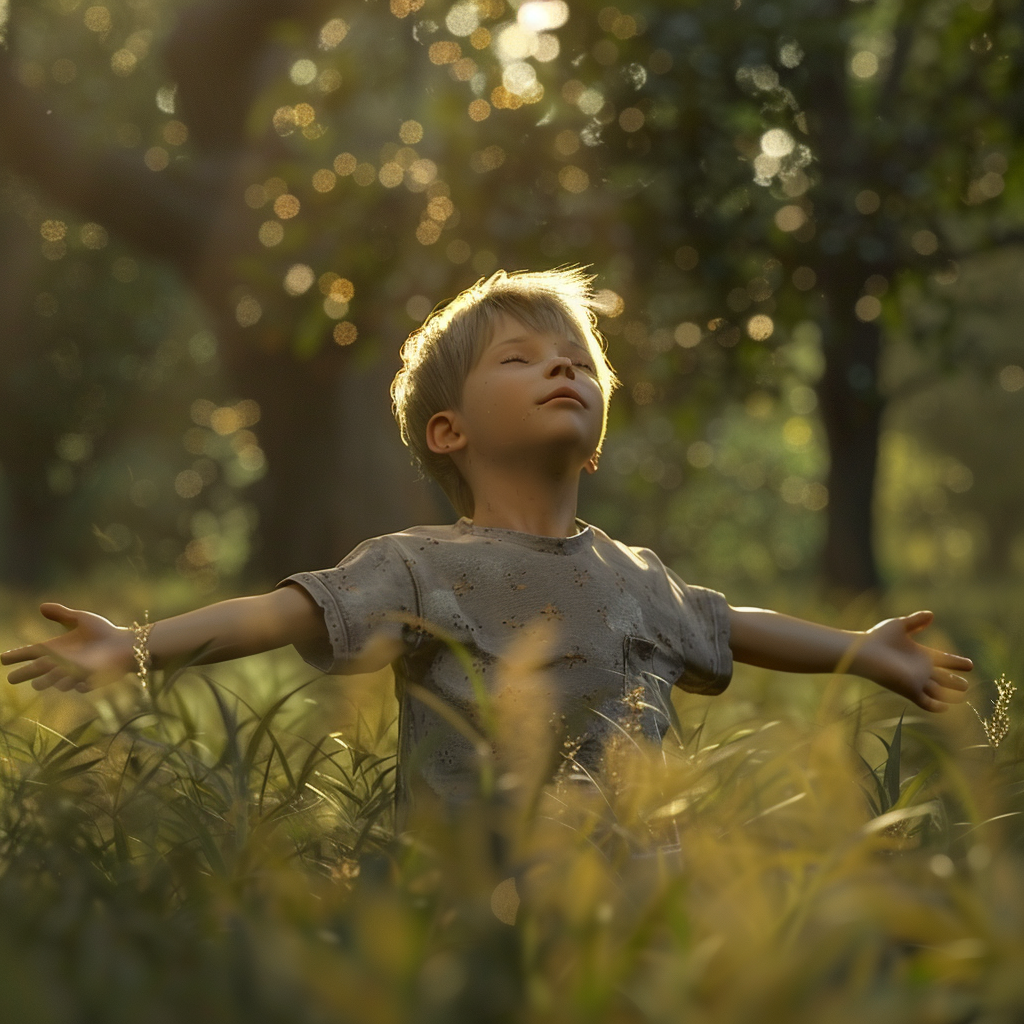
704	633
368	600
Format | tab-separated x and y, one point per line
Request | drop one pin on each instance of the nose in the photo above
561	366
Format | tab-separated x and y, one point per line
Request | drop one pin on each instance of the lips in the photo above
565	392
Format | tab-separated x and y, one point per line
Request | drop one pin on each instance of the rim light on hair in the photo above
438	356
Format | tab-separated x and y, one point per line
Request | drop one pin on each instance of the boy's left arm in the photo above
885	654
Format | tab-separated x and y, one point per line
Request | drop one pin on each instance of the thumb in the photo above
917	621
67	617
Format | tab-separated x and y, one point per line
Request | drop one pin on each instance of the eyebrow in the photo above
520	338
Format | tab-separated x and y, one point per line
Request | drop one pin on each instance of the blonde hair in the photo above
437	357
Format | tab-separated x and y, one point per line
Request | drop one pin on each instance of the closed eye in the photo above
513	359
585	366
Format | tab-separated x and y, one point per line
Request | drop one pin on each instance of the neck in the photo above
543	506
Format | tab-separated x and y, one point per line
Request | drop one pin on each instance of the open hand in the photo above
890	657
93	651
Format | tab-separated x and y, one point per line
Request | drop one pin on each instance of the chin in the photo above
568	451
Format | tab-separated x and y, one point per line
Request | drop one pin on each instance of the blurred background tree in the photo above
224	217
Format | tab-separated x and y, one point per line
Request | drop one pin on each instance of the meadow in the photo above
220	221
223	848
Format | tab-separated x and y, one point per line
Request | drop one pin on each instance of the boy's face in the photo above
533	395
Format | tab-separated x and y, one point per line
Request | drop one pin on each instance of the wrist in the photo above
123	641
862	656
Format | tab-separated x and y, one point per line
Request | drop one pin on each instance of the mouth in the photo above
564	392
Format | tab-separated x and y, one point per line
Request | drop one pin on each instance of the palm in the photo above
93	651
921	674
85	642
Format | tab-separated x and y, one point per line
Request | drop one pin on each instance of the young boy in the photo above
503	399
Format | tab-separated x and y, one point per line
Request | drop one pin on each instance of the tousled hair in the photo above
438	356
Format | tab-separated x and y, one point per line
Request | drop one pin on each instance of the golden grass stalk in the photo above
998	725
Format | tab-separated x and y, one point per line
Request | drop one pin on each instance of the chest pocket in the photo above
646	693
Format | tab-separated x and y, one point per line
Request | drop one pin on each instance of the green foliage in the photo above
639	141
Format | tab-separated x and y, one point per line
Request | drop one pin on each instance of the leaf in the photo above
883	821
914	786
263	727
883	803
891	779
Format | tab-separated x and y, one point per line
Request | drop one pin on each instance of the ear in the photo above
444	434
591	464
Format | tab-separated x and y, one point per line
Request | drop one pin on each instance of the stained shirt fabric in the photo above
625	629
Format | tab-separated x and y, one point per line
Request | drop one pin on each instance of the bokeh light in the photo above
345	333
391	175
790	218
271	233
444	52
248	311
333	33
175	133
687	334
777	143
924	242
462	19
864	64
345	164
573	179
411	132
299	279
303	72
543	15
608	303
123	62
97	19
287	206
868	308
364	174
1011	378
760	327
324	180
157	158
631	119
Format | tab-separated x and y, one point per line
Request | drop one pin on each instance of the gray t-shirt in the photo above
622	621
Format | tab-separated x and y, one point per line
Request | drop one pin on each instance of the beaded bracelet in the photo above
141	649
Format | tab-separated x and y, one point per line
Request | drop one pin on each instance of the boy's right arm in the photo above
95	651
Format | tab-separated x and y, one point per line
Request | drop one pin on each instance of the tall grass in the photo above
191	857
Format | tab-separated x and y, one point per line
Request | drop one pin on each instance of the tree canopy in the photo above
767	192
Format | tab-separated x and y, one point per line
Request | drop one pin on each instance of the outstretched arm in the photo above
94	651
885	654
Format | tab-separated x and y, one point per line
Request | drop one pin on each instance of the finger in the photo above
82	686
938	692
950	679
917	621
59	613
945	660
16	654
48	679
929	703
65	682
31	670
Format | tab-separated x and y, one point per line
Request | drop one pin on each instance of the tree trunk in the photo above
26	504
851	410
337	470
